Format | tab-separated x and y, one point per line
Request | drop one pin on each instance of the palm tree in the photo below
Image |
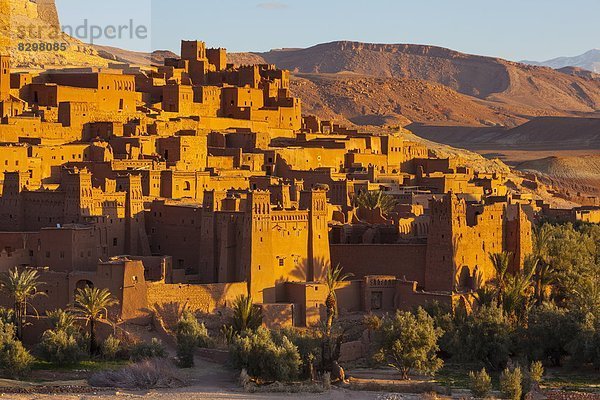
21	286
543	278
545	275
62	320
541	239
501	263
333	278
92	304
585	295
519	289
246	316
374	200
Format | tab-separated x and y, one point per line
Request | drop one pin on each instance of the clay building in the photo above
235	237
196	181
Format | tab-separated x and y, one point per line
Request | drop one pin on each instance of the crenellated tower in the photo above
259	267
209	263
136	241
448	219
4	77
319	257
11	202
77	186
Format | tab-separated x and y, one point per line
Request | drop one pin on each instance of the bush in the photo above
110	348
7	315
15	360
308	343
584	348
59	347
533	377
148	374
480	383
484	336
511	384
408	342
190	334
62	320
144	351
265	357
549	331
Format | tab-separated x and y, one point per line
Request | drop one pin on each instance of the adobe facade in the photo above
196	181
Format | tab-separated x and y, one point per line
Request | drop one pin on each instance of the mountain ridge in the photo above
589	60
506	88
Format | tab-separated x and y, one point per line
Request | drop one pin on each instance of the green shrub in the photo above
307	341
480	383
7	315
408	342
144	351
483	337
190	334
534	376
511	384
264	356
15	360
110	348
62	320
59	347
549	331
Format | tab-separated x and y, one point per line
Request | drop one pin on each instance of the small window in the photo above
115	241
281	262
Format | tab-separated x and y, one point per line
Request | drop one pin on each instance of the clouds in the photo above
273	5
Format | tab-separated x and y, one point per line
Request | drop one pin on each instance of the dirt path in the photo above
201	393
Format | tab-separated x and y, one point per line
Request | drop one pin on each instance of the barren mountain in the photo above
134	57
576	71
581	174
366	100
543	133
514	89
589	61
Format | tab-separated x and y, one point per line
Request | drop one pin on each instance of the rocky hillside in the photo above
367	100
133	57
543	133
509	91
580	174
20	17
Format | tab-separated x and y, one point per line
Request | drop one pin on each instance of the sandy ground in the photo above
201	393
206	381
512	156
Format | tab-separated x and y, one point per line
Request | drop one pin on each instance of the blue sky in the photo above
511	29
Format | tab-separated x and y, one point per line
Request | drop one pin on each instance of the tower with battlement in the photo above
462	237
4	77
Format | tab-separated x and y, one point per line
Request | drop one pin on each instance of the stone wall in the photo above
399	260
169	300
